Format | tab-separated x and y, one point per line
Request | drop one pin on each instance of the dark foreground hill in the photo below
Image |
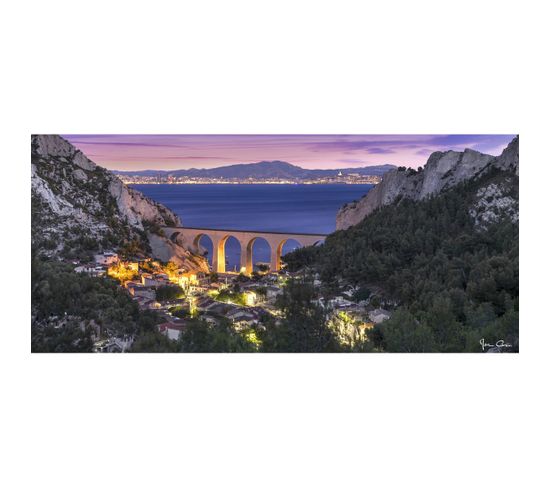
449	263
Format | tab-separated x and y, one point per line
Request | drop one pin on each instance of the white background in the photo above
274	67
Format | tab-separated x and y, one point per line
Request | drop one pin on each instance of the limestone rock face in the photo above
394	184
166	250
443	170
509	159
137	208
52	145
78	205
80	175
83	162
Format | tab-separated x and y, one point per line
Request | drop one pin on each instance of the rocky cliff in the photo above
79	208
443	170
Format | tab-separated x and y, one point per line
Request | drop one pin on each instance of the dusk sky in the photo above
136	152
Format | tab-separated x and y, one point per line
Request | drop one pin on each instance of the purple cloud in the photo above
380	150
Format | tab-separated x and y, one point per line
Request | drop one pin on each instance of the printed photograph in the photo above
275	243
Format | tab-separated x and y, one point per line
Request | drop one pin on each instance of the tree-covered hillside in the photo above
451	264
68	308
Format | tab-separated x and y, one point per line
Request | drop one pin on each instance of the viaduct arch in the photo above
276	241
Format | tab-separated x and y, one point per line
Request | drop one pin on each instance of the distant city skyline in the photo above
171	152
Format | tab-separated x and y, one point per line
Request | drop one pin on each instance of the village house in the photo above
172	330
186	280
91	270
106	345
194	287
124	342
154	280
139	290
243	316
208	305
340	302
217	286
145	303
106	258
378	315
203	303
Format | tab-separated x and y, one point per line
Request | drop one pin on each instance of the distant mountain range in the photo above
263	169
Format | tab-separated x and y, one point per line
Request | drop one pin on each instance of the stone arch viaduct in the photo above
276	240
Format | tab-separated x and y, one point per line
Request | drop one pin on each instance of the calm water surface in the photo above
276	208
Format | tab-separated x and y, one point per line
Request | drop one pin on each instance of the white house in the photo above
106	258
340	302
91	270
240	316
172	330
156	280
379	315
138	290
